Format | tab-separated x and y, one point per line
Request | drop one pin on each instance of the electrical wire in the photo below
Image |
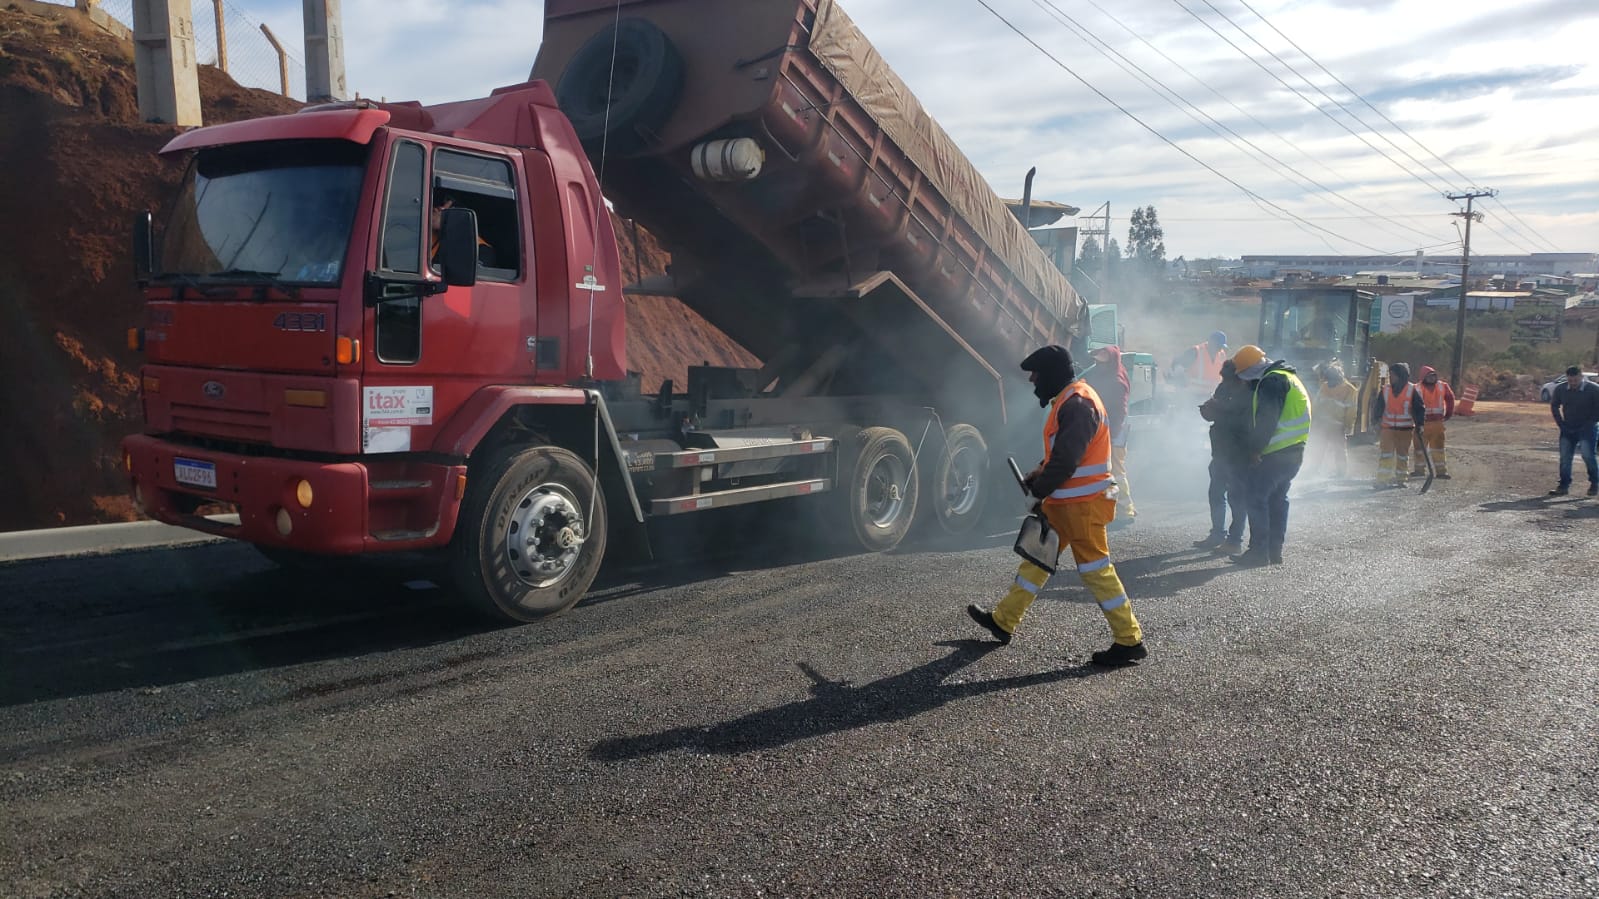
1367	103
1186	106
1285	214
1312	103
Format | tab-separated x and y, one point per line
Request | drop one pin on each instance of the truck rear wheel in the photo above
531	535
882	490
958	489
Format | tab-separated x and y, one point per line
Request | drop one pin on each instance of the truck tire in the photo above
644	87
522	550
880	496
958	485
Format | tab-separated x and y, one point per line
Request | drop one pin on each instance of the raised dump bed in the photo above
780	159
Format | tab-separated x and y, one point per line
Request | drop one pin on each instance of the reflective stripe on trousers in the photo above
1081	527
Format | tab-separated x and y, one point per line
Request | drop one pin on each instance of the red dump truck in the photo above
386	327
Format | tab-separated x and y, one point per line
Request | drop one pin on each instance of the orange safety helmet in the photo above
1248	357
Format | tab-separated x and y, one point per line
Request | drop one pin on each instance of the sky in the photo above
1505	94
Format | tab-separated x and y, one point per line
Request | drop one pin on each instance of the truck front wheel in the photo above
882	490
531	534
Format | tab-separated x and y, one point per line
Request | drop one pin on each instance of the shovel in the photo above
1427	484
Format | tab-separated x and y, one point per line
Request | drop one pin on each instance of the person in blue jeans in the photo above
1230	415
1575	406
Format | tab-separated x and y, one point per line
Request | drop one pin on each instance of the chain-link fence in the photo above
250	57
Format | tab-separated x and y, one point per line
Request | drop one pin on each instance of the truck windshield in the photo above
278	210
1310	321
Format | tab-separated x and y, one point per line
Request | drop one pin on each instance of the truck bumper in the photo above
354	507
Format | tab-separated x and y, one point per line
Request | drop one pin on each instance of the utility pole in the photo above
1103	232
1104	271
1458	368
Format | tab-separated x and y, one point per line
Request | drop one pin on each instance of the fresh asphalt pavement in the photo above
1408	708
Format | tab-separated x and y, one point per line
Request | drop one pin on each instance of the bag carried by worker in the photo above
1036	541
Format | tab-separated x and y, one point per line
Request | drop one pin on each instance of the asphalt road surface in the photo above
1409	708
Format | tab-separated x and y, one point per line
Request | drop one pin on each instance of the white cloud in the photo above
1009	107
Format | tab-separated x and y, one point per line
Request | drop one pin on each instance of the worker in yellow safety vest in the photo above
1077	494
1438	401
1400	411
1276	446
1337	411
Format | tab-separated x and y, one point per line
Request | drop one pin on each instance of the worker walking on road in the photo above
1400	411
1075	489
1439	402
1279	431
1108	377
1228	411
1337	405
1576	409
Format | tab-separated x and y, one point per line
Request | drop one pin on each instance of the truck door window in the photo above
484	185
399	321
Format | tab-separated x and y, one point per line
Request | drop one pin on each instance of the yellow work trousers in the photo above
1118	470
1080	527
1393	463
1433	433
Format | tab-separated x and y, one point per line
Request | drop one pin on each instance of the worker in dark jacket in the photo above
1279	430
1400	411
1228	411
1576	409
1075	489
1108	377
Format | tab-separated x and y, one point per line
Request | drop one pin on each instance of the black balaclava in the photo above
1398	376
1054	367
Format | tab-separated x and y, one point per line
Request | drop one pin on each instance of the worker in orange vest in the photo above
1200	365
1076	491
1439	401
1400	411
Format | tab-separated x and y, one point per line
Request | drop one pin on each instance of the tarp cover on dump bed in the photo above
840	46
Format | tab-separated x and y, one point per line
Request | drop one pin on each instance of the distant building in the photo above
1484	265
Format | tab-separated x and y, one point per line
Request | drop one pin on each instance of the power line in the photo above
1163	138
1187	107
1330	98
1225	99
1300	94
1356	94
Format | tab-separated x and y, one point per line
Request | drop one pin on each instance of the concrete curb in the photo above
99	539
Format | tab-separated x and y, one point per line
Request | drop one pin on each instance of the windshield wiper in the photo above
268	279
182	282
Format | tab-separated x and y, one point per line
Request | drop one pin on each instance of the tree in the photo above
1089	269
1146	245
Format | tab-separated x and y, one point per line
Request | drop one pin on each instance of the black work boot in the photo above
1559	491
1593	489
1253	558
985	618
1211	542
1119	655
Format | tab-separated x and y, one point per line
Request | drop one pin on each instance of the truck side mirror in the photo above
143	247
458	246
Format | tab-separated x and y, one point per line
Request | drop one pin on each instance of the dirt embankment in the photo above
78	164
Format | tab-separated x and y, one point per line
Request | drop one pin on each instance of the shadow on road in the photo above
1530	504
79	626
836	706
71	627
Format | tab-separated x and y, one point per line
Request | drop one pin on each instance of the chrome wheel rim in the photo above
961	483
545	535
885	491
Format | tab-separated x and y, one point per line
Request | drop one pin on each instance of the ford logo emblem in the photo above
214	389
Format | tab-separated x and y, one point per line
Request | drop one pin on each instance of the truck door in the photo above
431	350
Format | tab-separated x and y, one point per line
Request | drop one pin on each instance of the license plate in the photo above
195	473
